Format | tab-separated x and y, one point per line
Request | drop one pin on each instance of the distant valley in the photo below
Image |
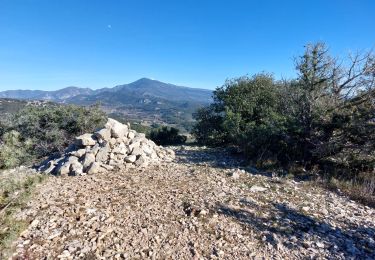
150	101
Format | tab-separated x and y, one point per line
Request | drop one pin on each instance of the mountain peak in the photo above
127	93
144	80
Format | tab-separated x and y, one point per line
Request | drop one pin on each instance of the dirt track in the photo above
191	209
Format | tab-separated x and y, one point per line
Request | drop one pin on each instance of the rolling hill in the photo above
57	95
148	100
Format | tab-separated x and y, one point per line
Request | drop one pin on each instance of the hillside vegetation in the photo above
39	131
321	122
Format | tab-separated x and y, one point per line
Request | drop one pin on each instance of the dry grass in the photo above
14	194
360	188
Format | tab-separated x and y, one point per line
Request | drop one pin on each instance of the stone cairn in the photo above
115	146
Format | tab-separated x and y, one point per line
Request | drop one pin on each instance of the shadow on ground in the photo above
226	158
214	157
292	229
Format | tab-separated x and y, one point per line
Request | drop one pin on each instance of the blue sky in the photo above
50	44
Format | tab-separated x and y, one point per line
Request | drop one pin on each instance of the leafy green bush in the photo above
246	112
13	152
209	128
324	117
39	131
167	136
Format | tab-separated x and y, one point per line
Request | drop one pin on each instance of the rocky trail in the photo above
200	206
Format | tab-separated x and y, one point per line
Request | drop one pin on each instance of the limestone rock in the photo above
76	168
113	146
255	188
104	134
79	153
95	149
137	151
131	135
235	174
72	159
94	168
85	140
117	129
147	150
141	161
130	158
102	154
88	160
64	169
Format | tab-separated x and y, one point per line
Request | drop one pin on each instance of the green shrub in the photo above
324	117
36	132
167	136
247	112
209	129
141	128
13	151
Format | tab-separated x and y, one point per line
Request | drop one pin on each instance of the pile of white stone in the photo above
115	146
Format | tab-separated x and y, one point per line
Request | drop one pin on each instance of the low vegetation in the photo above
36	132
167	136
15	190
322	121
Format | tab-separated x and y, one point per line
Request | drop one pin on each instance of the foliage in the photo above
324	117
13	152
208	129
38	131
140	128
167	136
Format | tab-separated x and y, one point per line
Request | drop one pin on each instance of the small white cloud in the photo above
109	26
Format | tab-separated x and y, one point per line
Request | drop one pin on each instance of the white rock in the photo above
72	159
88	160
102	155
114	145
94	168
147	150
104	134
141	161
95	149
112	142
131	135
118	130
76	168
79	153
54	235
120	149
255	188
130	158
85	140
137	151
64	169
235	174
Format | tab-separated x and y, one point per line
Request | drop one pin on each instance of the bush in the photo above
36	132
167	136
209	129
246	112
324	117
13	151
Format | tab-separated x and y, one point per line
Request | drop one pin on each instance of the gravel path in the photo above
199	207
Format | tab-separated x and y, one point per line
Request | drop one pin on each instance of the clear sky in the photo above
51	44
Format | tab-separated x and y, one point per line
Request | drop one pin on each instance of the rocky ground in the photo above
201	206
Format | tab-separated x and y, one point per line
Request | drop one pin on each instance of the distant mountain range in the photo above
57	95
145	99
